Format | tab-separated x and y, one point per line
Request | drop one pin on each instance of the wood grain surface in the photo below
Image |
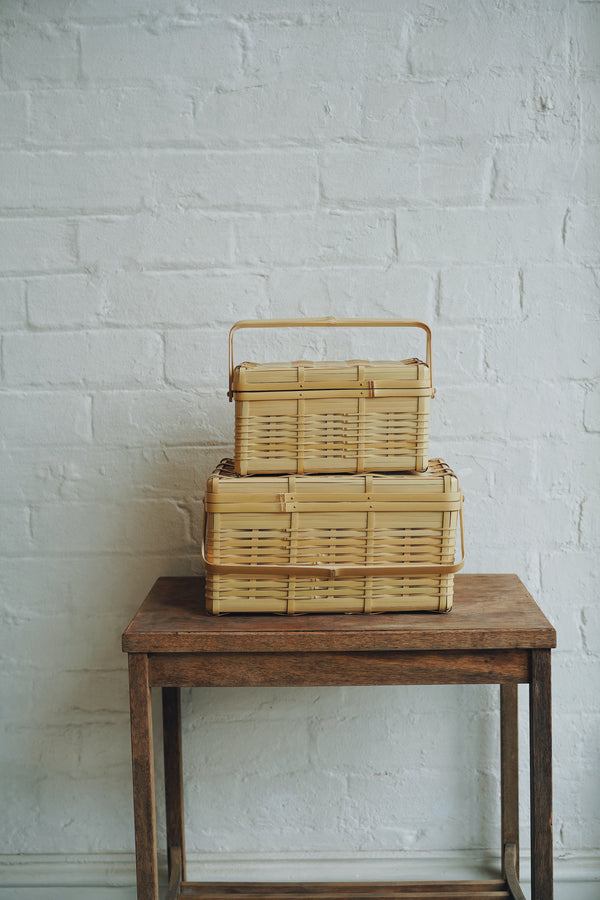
540	777
426	890
346	668
490	612
509	775
144	802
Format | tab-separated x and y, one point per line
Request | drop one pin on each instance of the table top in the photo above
490	612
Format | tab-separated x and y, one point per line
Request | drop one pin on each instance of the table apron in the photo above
341	668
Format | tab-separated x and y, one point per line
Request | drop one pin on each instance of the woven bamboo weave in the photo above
344	416
324	543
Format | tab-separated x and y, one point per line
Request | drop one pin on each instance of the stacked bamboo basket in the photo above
331	503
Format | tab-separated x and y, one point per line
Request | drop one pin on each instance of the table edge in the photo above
542	636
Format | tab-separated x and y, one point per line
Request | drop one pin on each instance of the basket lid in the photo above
437	485
352	374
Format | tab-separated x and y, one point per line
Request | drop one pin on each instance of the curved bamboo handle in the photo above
400	570
327	322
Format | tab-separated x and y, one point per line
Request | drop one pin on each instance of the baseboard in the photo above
91	876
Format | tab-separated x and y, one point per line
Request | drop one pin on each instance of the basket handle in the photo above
327	322
400	569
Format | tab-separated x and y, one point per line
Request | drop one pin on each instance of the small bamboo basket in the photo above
355	416
325	543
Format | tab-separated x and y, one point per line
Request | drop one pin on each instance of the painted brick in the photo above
474	411
340	741
40	54
573	287
370	177
60	751
36	245
116	589
169	238
38	474
255	180
389	113
387	825
178	473
45	418
488	468
592	409
514	352
476	467
62	793
108	117
586	181
483	557
240	746
564	579
177	53
167	417
64	301
85	358
562	464
395	292
13	115
19	693
590	114
15	536
455	175
481	104
73	181
195	358
530	172
497	37
109	755
581	228
275	810
53	473
146	525
458	355
12	303
374	44
479	294
554	107
326	238
544	410
571	674
183	298
385	40
278	112
588	40
508	410
493	236
84	11
589	527
554	521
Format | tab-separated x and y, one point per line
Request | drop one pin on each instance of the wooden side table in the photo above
495	634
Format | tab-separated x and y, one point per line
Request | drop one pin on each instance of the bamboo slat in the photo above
332	416
331	543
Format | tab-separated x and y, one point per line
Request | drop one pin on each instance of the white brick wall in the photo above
169	169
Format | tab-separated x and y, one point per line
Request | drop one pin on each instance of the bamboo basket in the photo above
323	543
354	416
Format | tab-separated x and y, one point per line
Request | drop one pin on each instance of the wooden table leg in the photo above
509	770
140	707
171	705
540	741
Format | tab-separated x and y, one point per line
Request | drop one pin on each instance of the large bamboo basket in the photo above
323	543
354	416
